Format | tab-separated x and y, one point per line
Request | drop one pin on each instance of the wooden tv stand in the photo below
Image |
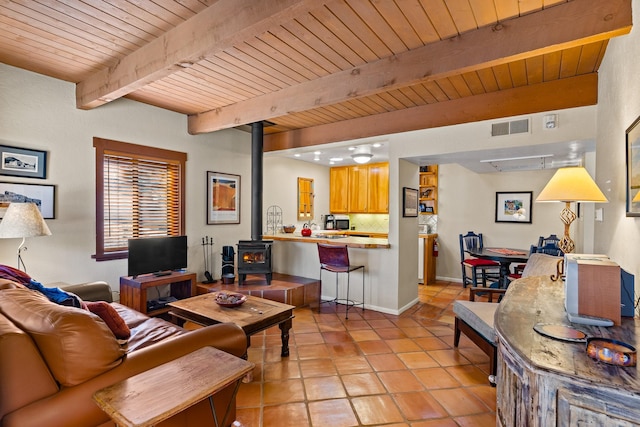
133	291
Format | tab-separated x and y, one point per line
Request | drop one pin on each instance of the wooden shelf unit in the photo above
428	192
133	291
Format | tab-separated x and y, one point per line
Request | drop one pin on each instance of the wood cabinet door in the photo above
379	188
339	190
358	189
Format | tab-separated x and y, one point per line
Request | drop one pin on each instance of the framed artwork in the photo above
512	206
23	162
223	198
409	202
633	168
42	195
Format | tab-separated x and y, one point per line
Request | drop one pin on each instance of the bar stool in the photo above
335	258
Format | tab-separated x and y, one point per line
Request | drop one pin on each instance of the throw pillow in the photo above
111	317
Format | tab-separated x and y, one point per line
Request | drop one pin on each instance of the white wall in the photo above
39	112
618	106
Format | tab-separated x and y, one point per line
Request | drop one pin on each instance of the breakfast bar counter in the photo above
296	255
350	241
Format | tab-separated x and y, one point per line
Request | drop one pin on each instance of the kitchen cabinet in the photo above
339	190
428	200
359	189
428	263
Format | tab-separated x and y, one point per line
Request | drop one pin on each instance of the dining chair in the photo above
335	259
546	245
488	269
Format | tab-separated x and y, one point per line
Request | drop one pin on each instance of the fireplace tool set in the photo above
207	246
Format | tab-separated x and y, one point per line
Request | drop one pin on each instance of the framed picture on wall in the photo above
42	195
409	202
512	206
23	162
632	135
223	198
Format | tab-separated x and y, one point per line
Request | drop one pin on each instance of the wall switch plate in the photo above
599	214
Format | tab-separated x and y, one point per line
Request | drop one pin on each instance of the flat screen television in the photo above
157	255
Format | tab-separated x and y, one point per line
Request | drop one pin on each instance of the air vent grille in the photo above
510	128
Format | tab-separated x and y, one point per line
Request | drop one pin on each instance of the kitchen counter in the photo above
332	237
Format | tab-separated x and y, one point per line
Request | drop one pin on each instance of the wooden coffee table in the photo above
255	315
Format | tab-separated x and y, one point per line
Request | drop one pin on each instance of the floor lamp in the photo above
572	184
22	220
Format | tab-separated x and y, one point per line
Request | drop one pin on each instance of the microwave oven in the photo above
341	222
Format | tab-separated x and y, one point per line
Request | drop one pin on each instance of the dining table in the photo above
504	256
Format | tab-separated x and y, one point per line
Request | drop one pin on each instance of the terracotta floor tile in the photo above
283	392
374	347
485	393
247	417
385	362
317	368
419	406
431	343
346	349
363	384
400	381
287	415
354	325
249	395
403	322
391	333
405	345
352	365
416	331
284	370
418	360
313	351
364	335
324	388
459	401
448	357
481	420
332	327
376	410
334	413
434	378
310	338
336	337
468	375
381	323
445	422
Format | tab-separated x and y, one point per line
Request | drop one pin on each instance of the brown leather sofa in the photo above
53	358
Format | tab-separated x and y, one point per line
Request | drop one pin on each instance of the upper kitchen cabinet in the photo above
360	189
339	190
305	199
429	190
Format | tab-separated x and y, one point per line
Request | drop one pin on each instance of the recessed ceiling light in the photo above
317	152
335	159
352	148
377	145
297	155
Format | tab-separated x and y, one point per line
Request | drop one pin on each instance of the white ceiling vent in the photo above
510	128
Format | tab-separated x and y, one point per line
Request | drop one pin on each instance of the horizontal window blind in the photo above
141	195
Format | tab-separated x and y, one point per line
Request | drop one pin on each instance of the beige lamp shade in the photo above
572	184
23	220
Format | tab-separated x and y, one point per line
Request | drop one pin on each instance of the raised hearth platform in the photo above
293	290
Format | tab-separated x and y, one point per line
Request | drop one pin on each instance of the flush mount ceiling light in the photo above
362	154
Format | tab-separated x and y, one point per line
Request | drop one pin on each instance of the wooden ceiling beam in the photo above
554	95
220	26
556	28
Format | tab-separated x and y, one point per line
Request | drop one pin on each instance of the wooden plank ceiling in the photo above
319	71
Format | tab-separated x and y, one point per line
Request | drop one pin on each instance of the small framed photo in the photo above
42	195
633	168
223	198
23	162
512	206
409	202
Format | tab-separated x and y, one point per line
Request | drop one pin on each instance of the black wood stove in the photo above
254	256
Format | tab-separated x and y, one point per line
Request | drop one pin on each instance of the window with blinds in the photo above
139	193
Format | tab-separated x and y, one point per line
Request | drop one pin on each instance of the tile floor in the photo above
373	369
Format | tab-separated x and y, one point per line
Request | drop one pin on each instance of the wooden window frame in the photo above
106	146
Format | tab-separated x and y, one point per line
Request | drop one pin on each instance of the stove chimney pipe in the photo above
257	137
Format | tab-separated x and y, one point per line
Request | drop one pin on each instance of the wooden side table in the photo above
161	392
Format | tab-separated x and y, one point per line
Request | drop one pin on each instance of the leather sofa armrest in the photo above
74	405
90	291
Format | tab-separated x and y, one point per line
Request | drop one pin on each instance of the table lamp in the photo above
571	184
22	220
